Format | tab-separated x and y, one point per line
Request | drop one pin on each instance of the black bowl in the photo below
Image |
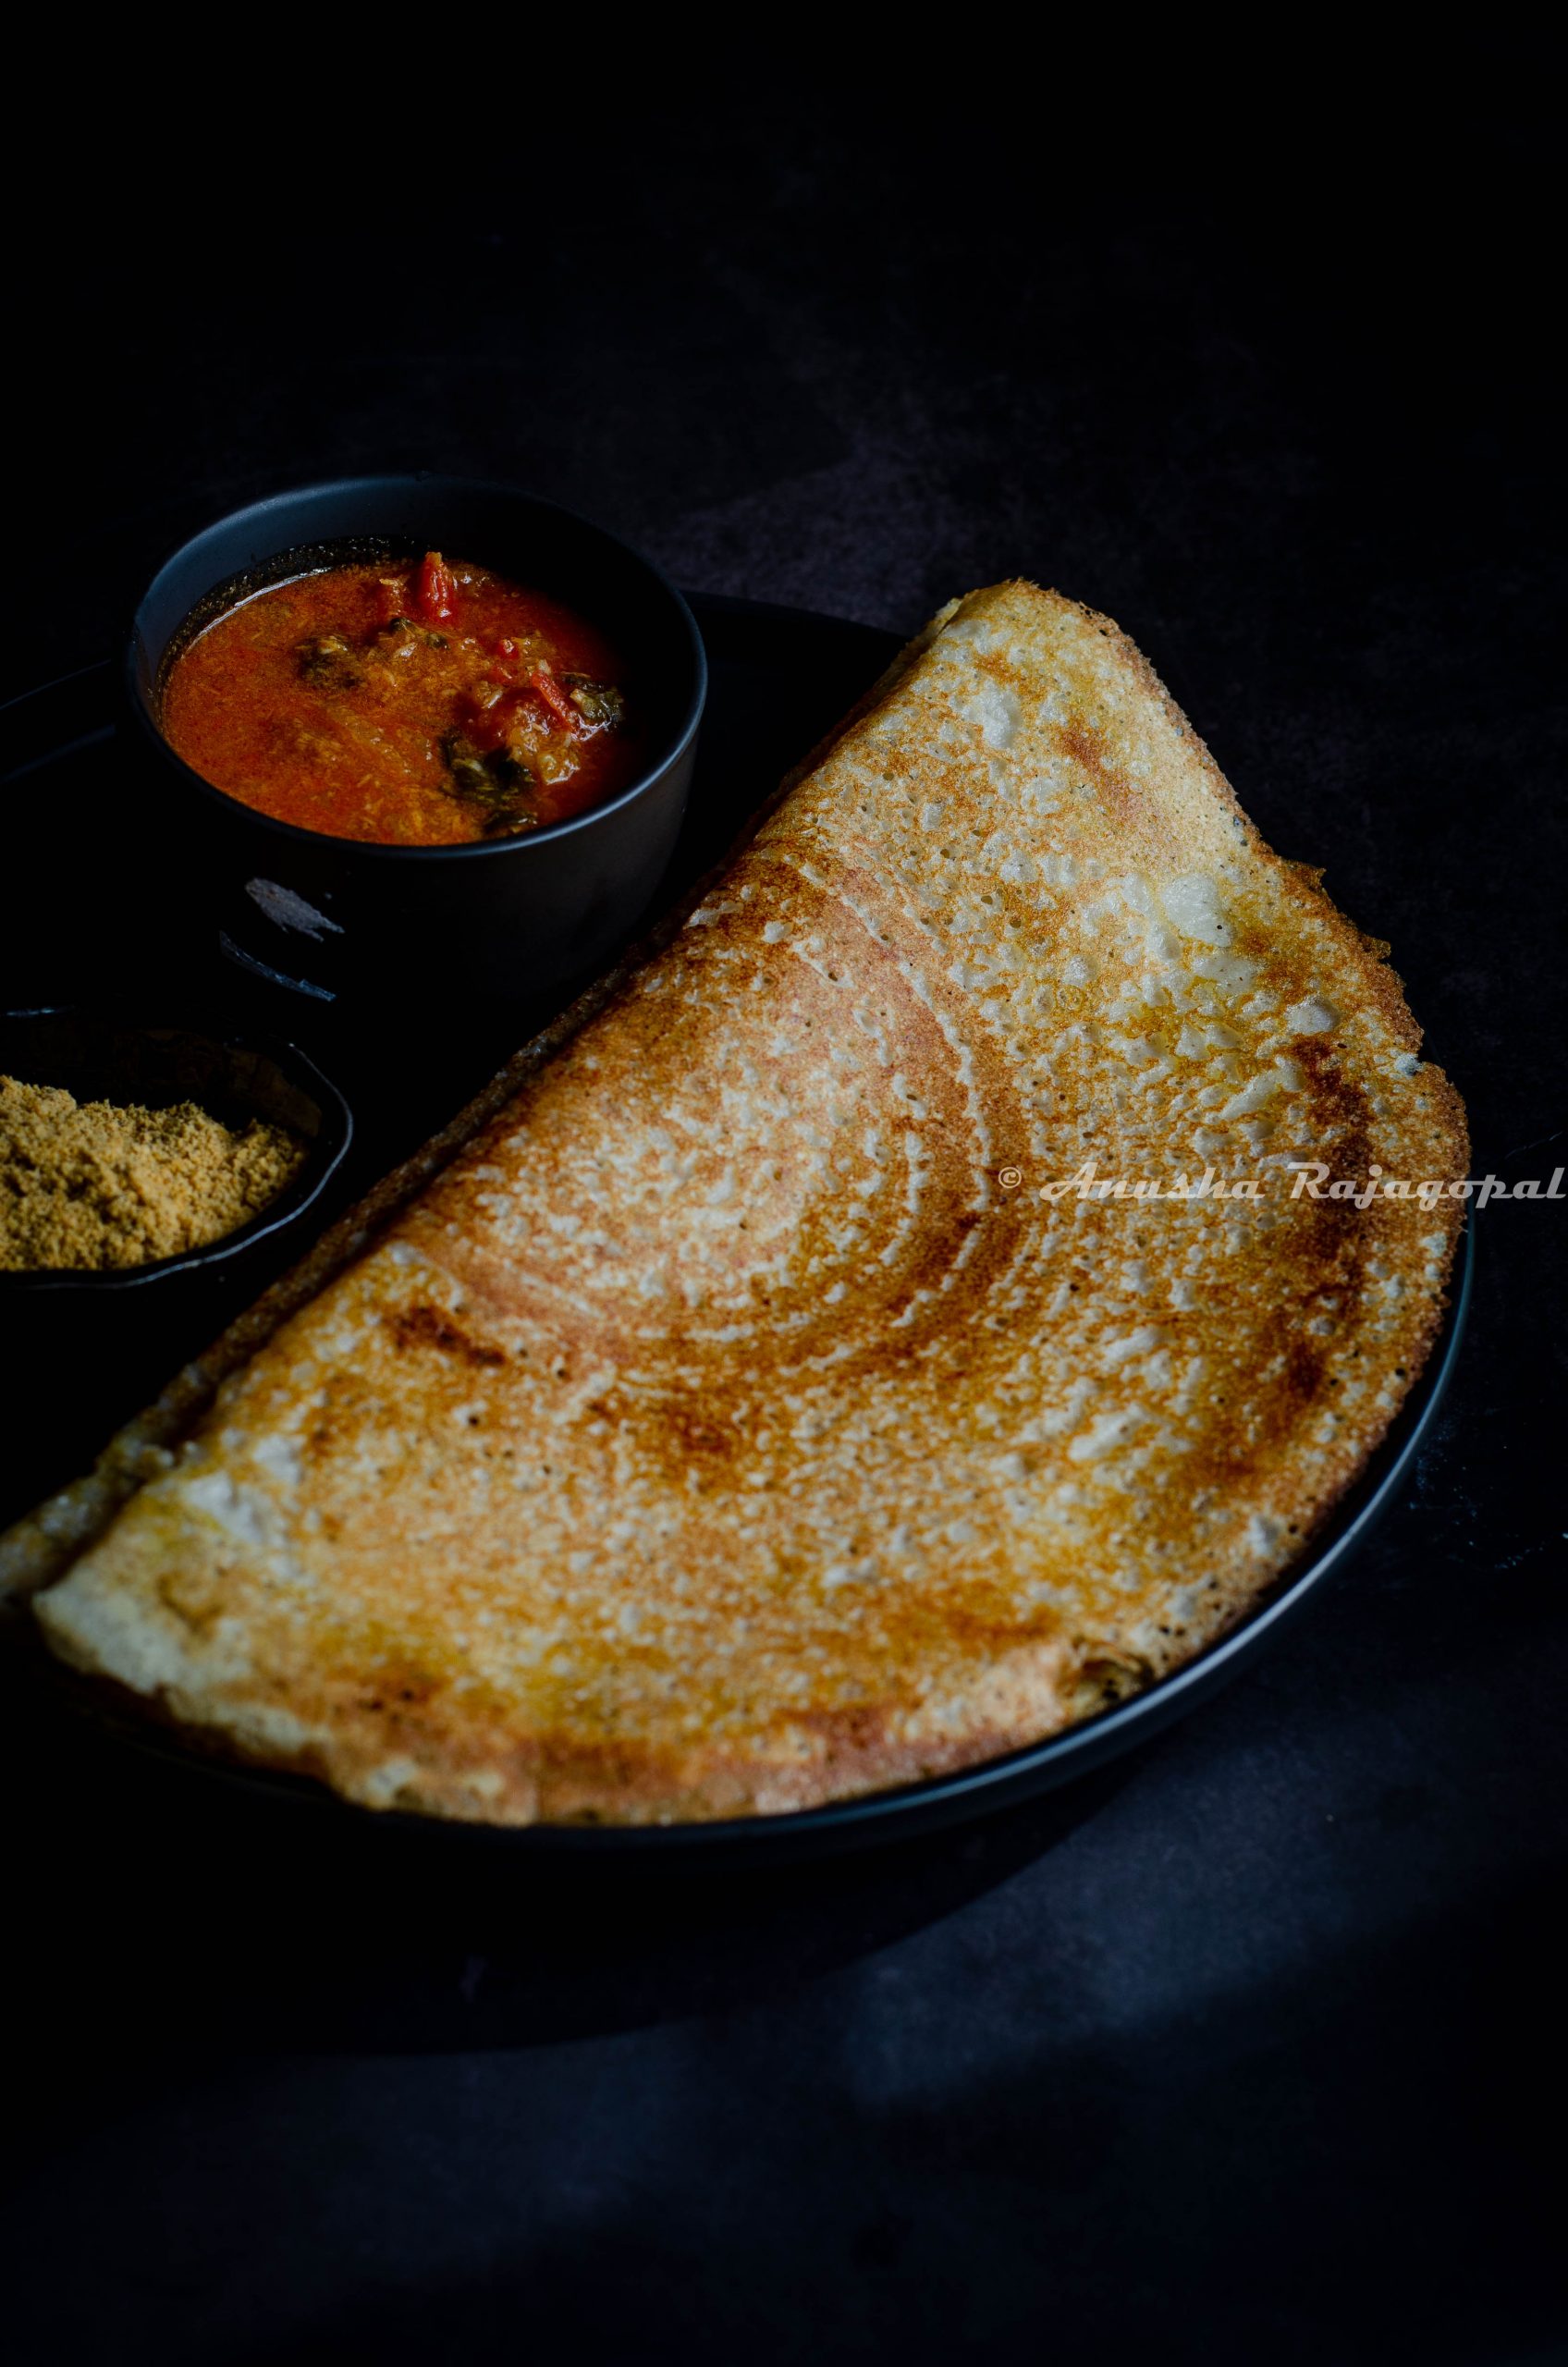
399	925
235	1077
84	1352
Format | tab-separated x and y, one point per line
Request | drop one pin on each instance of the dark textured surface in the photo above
1250	2054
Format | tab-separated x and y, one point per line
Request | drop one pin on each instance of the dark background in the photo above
1252	2052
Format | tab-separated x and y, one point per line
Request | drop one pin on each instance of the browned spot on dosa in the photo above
427	1327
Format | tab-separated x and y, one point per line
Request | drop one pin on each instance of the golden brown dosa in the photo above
737	1421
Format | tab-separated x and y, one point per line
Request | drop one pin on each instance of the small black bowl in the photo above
236	1078
84	1352
394	925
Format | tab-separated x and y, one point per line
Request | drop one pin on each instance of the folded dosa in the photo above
743	1418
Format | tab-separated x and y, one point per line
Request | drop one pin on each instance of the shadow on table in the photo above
1340	2166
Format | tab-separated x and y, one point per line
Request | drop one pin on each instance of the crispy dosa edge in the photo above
40	1548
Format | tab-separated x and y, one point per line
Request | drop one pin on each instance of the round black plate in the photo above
781	679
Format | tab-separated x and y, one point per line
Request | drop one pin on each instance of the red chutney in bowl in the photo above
415	703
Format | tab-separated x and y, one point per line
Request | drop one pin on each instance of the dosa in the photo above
766	1404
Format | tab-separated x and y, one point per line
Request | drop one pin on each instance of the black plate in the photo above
781	679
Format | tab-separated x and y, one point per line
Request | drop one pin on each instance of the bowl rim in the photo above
293	833
326	1155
